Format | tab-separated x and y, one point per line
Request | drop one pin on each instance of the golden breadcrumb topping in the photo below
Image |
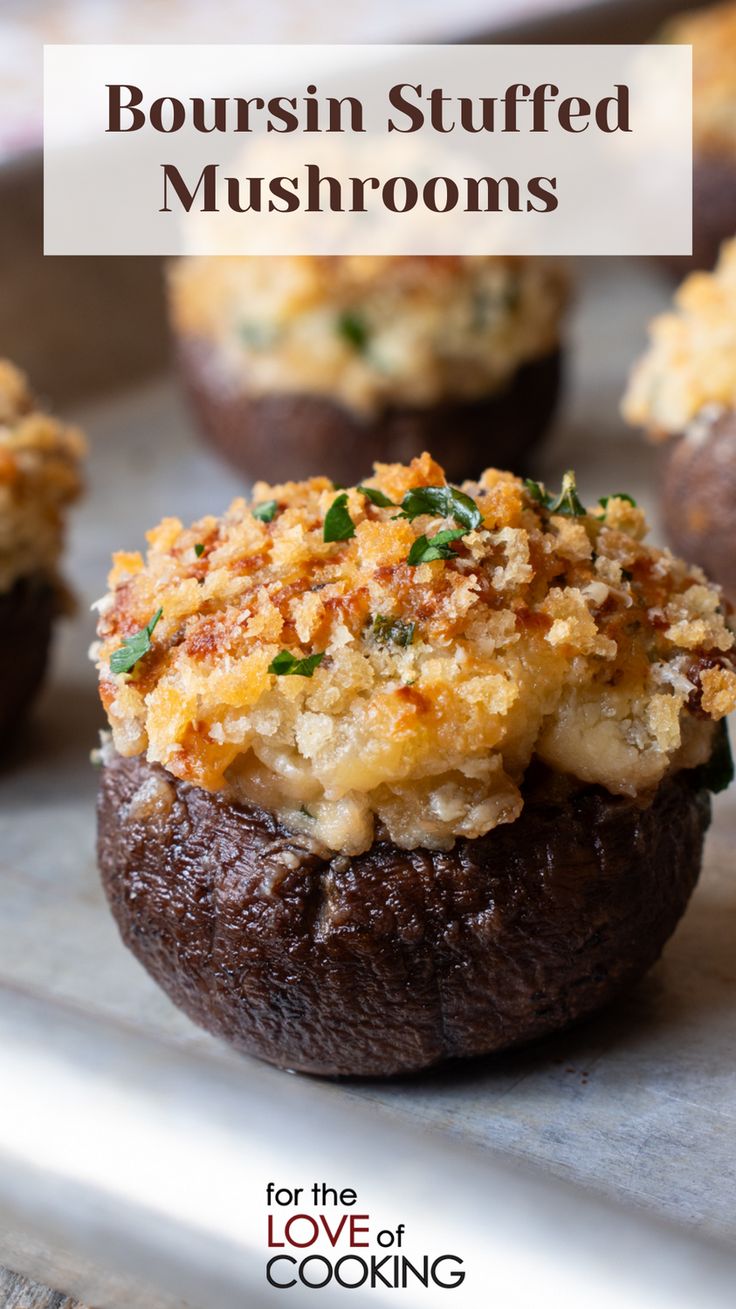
370	331
712	34
350	683
39	477
691	360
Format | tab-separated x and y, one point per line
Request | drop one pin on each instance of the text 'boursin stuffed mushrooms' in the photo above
328	364
404	772
39	477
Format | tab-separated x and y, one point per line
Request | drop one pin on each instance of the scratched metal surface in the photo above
17	1293
639	1103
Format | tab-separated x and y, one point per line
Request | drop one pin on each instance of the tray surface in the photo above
637	1103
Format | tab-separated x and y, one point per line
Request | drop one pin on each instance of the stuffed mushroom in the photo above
39	477
683	393
406	771
712	34
317	364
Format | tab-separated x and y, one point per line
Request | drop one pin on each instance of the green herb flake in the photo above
442	502
258	336
377	497
134	647
567	504
285	664
199	549
303	810
488	306
536	491
619	495
393	631
427	548
339	526
265	512
353	329
718	773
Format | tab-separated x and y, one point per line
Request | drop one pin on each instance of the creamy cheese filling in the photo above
338	659
626	746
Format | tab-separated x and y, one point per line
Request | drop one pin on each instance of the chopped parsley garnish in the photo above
619	495
377	497
199	549
566	504
339	526
265	512
303	810
352	328
393	631
258	335
444	502
427	548
285	664
134	647
489	305
536	491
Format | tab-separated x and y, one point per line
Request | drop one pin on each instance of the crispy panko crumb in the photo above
39	477
564	638
719	691
690	364
712	34
371	331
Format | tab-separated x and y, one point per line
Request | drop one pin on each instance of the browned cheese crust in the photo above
39	478
262	434
393	960
683	391
699	496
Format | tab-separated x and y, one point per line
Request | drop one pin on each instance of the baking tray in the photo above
635	1108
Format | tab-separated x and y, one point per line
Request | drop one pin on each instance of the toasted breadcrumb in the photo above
371	331
39	477
719	689
541	635
690	365
712	34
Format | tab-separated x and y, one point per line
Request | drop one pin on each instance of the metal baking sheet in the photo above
636	1105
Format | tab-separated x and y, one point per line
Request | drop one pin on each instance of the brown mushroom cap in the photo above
26	617
714	211
393	960
306	433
